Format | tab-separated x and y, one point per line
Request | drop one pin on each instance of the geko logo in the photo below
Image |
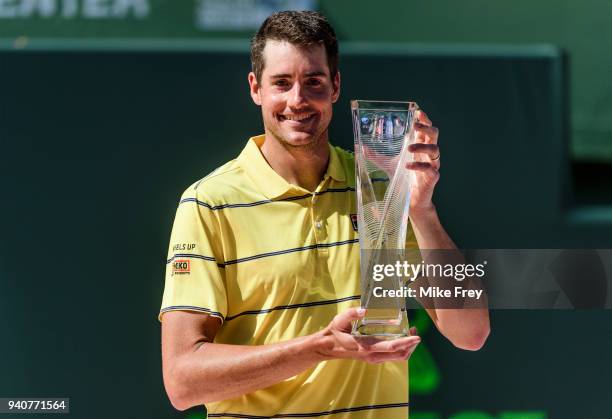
181	266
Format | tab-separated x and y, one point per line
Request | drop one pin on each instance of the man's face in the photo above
296	93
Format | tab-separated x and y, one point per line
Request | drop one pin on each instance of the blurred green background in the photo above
581	28
109	109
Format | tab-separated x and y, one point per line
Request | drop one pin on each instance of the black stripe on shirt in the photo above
292	306
295	249
194	256
194	308
309	415
262	255
262	311
265	201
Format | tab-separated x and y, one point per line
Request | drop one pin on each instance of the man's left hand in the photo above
426	163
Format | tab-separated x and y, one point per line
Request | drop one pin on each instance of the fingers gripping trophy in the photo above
382	132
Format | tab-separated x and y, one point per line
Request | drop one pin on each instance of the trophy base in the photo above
382	329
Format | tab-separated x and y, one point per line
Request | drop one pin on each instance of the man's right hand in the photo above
337	342
192	360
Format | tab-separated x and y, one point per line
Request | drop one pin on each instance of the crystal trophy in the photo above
382	131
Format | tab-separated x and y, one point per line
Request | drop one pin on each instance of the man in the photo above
263	270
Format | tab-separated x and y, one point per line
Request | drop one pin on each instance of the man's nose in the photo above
297	96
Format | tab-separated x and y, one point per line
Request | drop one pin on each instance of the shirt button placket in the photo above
320	230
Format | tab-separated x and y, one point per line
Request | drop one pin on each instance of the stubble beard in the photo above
313	144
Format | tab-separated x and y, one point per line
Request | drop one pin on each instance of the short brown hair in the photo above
303	29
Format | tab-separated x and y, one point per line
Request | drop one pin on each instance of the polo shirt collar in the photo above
335	169
270	183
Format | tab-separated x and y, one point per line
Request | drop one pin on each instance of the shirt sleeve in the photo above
195	274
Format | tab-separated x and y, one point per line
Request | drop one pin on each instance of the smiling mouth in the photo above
300	117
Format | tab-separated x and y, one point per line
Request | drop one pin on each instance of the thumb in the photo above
343	320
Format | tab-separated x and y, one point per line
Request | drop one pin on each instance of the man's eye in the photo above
281	83
314	82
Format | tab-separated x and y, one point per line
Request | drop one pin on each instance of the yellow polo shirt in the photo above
275	261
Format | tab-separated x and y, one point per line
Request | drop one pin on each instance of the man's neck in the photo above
302	166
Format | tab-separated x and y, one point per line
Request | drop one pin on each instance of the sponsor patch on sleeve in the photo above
354	221
181	266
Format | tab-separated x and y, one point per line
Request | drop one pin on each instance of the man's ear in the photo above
336	87
254	87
